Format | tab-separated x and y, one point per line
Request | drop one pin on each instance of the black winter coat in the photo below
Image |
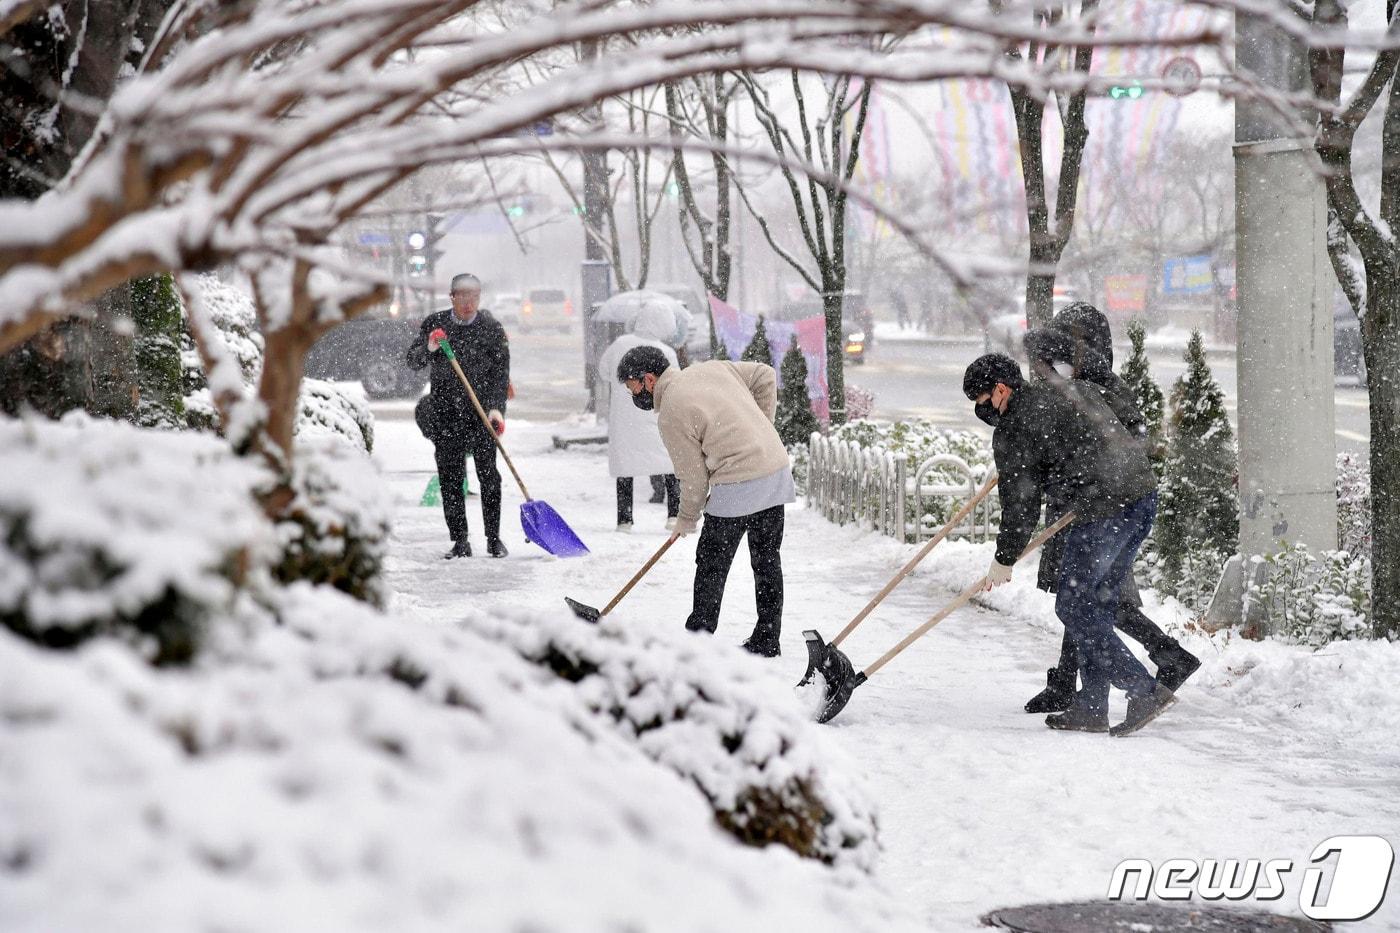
484	353
1063	441
1093	362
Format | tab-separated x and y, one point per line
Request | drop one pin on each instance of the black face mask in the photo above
644	400
986	412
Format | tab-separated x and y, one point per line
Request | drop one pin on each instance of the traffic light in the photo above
423	245
1130	90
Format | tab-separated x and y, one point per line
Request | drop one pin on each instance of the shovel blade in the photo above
544	526
836	669
586	613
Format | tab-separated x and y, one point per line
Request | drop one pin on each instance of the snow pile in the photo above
337	528
329	411
707	713
107	528
350	770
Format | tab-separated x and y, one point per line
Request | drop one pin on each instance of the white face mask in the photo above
1065	369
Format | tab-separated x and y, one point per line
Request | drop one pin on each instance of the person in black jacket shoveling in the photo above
1079	345
1060	438
446	416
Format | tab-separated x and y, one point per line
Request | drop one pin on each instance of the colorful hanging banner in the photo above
735	330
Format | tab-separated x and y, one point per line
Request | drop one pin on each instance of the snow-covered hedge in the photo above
350	770
337	529
108	528
704	713
328	410
1353	504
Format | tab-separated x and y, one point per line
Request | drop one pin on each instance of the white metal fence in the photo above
874	488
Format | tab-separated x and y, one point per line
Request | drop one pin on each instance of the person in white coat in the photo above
634	440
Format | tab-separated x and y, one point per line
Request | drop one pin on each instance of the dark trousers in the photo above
451	453
624	497
719	540
1097	557
1131	621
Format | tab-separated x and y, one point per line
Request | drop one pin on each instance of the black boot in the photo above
462	548
1144	709
1057	695
1079	719
1174	666
496	548
763	647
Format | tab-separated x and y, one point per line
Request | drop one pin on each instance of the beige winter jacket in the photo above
716	421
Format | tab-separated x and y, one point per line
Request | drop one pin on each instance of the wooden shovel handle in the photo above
476	403
638	575
962	598
914	561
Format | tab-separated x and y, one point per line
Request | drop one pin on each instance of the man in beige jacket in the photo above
716	421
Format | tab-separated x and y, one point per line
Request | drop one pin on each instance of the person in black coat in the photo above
1078	345
1058	438
446	415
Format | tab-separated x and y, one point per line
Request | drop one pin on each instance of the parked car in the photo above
1005	331
546	307
505	308
857	322
372	349
697	341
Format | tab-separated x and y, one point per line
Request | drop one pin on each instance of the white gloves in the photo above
498	421
997	574
683	527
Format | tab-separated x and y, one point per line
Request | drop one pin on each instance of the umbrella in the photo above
624	307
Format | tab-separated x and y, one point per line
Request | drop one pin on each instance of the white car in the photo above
546	307
1004	334
505	308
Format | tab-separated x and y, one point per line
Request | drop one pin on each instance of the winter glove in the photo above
997	574
684	526
434	337
498	421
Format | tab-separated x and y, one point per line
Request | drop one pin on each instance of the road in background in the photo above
924	380
909	379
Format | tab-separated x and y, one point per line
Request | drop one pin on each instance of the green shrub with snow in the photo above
336	532
1312	599
107	529
1353	504
328	410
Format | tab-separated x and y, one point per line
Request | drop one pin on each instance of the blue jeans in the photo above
1097	557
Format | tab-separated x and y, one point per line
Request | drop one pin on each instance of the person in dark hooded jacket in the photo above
1078	345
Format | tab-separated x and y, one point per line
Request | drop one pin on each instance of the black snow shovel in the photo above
817	651
589	614
840	674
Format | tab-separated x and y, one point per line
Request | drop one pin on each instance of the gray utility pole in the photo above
597	272
1285	282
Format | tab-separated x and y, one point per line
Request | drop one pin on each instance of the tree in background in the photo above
1047	241
759	350
1147	395
1198	515
1372	285
795	421
155	310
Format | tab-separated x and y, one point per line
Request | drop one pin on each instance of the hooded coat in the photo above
634	440
1080	336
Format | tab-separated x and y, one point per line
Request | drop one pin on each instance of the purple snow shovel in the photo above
541	524
840	674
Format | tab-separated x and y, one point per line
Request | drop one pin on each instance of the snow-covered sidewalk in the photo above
1271	750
